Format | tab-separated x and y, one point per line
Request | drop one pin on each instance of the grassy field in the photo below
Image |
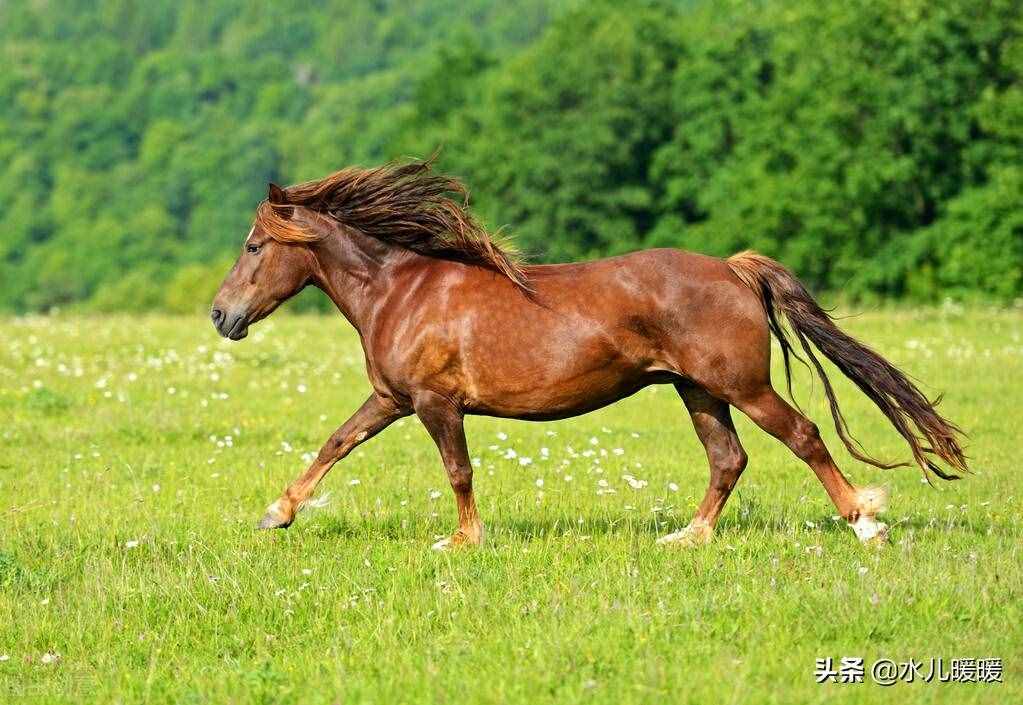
137	455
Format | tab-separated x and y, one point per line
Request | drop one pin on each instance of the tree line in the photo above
873	146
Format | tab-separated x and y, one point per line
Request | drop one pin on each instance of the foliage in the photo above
874	146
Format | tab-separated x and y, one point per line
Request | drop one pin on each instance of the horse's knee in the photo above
332	450
339	445
461	479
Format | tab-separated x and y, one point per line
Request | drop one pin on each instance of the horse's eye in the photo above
252	249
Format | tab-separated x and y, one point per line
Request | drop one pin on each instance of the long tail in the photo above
909	411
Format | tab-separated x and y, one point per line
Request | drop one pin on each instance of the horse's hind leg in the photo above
859	506
712	420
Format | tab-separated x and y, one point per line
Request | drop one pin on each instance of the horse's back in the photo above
666	260
651	280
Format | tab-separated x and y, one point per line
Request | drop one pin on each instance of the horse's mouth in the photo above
238	330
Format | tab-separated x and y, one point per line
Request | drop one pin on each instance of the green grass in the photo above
127	545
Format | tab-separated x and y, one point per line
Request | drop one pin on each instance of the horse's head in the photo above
270	269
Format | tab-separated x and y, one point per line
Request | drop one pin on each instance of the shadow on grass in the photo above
827	524
398	528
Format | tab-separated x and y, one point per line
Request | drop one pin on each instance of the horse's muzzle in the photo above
234	326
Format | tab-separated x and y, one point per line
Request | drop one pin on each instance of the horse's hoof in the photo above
459	539
273	519
272	522
870	531
696	534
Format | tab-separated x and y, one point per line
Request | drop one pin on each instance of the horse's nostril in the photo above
216	315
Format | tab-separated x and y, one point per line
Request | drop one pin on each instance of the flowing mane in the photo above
404	204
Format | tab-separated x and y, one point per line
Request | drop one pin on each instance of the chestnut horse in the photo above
451	324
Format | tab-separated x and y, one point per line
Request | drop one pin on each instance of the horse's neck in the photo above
349	271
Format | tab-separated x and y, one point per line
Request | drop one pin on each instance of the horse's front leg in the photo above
373	416
445	424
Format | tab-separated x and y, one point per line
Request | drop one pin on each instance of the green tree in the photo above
873	146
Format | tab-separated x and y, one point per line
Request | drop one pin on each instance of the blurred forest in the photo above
872	145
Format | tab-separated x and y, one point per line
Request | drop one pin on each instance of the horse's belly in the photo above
550	408
549	391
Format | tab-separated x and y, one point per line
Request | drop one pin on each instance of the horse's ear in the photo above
276	195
